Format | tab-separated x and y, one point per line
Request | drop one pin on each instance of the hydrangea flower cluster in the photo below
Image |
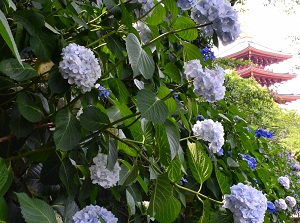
246	203
263	133
207	83
186	4
280	204
222	17
103	92
101	175
94	214
147	5
296	166
284	181
210	131
79	66
291	201
271	207
207	54
143	30
250	160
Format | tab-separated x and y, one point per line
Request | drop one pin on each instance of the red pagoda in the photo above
261	57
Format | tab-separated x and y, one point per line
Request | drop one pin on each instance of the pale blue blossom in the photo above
147	5
284	181
80	67
291	201
101	175
246	203
186	4
94	214
281	204
207	83
220	16
210	131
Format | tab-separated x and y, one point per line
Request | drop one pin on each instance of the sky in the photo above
271	26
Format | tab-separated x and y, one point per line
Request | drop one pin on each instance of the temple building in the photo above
261	57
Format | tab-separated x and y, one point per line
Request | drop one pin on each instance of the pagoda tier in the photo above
265	78
285	98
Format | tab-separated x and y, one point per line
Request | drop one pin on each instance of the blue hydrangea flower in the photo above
79	66
175	94
103	92
280	204
147	5
222	17
255	181
184	180
246	203
284	181
221	152
94	214
263	133
291	201
250	160
200	118
207	54
207	83
271	207
210	131
186	4
248	129
296	166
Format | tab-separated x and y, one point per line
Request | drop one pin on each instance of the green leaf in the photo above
3	210
191	51
67	131
93	119
173	72
170	102
169	211
231	162
57	83
158	15
222	181
116	46
42	45
206	212
29	108
31	20
8	37
17	71
174	170
119	90
35	210
112	6
222	216
173	137
171	5
151	107
18	125
140	61
185	22
6	177
163	145
161	193
112	157
67	173
130	203
199	162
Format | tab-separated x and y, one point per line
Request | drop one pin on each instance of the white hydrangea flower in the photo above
280	204
80	67
145	204
207	83
94	214
284	181
291	201
101	175
186	4
223	17
210	131
246	203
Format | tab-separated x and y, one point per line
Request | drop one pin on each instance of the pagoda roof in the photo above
244	48
258	72
285	98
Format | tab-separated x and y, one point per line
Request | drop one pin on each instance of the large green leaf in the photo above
206	212
158	15
173	137
199	162
115	44
222	216
171	5
170	102
163	145
161	193
8	37
186	22
31	20
42	45
173	72
67	173
17	71
140	61
119	90
151	107
67	131
18	125
93	119
3	210
191	51
57	83
6	177
169	211
174	170
222	181
35	210
29	108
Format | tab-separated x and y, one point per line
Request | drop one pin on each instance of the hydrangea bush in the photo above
111	112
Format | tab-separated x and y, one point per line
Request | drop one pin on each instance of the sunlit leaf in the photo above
16	71
169	211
